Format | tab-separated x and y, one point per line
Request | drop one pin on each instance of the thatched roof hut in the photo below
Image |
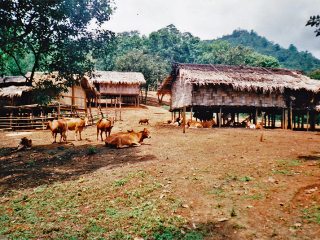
112	84
209	89
186	79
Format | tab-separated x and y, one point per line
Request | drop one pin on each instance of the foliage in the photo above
315	74
173	45
289	58
152	67
222	52
52	35
314	21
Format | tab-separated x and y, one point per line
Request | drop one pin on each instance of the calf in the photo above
104	125
145	120
58	126
130	138
77	125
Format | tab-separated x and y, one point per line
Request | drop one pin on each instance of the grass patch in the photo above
92	150
96	208
254	197
246	179
289	163
283	172
312	214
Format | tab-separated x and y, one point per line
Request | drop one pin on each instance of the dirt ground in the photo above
229	179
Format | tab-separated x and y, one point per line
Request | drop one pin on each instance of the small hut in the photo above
113	86
221	90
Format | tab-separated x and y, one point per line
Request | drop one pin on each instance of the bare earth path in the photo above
225	179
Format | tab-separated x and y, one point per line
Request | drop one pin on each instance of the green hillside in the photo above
288	58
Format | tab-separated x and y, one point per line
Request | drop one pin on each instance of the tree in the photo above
314	21
173	45
153	68
222	52
55	33
315	74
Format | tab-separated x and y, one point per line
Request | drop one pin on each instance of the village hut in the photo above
119	86
220	90
14	91
17	98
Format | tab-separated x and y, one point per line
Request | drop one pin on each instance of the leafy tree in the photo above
314	21
315	74
222	52
54	32
173	45
289	58
154	68
121	44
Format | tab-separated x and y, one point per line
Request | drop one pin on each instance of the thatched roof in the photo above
14	91
12	80
118	77
85	83
241	78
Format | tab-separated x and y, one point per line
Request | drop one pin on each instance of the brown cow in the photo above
77	124
208	124
130	138
104	125
145	120
194	124
58	126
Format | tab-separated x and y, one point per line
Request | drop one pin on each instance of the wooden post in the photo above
220	113
291	115
302	121
308	120
255	121
115	109
120	107
59	110
184	119
191	114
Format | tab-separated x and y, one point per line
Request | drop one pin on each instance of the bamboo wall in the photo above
117	89
209	95
79	97
181	94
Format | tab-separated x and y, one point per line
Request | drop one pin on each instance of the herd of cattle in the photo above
118	140
124	139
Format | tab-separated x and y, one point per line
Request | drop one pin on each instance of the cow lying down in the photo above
127	139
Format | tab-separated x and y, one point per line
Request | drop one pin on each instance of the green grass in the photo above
312	214
96	208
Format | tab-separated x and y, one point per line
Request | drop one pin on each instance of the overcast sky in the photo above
281	21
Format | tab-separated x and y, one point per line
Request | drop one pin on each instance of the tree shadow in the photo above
309	157
57	162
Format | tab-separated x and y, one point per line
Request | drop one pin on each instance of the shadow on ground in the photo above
309	157
56	162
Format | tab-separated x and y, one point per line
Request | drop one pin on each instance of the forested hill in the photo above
288	58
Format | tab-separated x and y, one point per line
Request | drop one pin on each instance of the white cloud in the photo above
281	21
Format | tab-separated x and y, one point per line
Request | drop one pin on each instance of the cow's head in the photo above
146	133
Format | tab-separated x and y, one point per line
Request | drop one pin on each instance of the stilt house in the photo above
219	90
114	85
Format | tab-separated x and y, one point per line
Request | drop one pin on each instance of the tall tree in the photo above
314	21
153	68
55	32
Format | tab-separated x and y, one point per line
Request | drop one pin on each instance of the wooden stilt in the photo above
220	113
308	120
120	101
184	119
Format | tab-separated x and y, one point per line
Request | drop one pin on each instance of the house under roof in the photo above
239	89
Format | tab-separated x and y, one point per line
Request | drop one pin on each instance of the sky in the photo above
280	21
